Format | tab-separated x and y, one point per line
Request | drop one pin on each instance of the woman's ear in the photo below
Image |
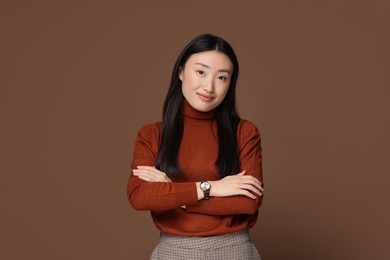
181	73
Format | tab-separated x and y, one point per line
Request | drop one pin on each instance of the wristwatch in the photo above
205	187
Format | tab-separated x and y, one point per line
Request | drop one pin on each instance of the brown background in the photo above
79	79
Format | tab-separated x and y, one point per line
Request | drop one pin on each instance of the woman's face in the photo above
206	79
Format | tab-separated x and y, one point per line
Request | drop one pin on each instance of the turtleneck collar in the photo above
189	111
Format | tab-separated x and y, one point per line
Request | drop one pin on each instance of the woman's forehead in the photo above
211	59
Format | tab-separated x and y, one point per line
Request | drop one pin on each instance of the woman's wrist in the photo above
199	191
212	189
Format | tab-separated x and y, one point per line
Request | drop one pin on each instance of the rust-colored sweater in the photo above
197	154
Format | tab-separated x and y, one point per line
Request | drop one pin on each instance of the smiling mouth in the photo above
205	97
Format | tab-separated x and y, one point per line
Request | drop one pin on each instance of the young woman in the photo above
199	171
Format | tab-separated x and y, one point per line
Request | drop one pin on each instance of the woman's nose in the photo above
209	85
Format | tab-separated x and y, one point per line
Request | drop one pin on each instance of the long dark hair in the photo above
226	115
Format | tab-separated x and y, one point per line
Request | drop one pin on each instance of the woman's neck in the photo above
189	111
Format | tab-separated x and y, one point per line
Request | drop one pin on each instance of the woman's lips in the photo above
205	97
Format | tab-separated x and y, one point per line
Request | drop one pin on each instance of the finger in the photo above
149	169
145	167
251	185
247	193
135	172
146	174
140	174
143	177
151	176
251	188
254	181
257	184
148	178
153	170
241	173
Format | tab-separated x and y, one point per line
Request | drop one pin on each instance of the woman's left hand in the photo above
150	174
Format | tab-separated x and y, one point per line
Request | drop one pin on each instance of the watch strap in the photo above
206	194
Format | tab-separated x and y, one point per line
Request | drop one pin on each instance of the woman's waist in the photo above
181	223
205	242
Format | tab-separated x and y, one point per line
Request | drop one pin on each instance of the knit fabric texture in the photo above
197	155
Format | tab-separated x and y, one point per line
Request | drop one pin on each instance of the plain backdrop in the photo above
80	78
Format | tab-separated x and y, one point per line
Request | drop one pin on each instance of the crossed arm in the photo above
151	189
239	184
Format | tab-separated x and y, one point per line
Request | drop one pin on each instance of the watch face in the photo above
205	186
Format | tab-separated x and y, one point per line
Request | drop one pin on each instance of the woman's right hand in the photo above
151	174
239	184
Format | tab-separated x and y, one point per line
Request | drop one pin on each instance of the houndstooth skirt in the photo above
235	246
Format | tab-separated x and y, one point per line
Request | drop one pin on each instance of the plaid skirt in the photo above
235	246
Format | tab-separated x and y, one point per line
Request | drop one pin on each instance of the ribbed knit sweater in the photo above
197	155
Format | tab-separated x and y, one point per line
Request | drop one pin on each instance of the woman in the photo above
199	170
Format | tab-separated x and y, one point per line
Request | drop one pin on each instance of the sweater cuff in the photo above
187	195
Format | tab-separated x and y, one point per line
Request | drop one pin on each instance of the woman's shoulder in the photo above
150	130
151	126
245	125
247	130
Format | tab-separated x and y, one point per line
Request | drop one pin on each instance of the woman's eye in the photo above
222	78
200	72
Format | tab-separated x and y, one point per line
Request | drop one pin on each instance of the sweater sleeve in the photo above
249	140
155	196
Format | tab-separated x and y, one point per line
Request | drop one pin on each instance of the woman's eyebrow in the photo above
206	66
